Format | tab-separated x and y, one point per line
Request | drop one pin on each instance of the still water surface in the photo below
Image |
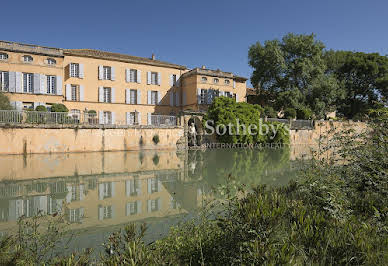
100	192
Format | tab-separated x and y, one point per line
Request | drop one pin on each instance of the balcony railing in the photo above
84	118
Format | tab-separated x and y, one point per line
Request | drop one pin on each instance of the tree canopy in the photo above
4	102
297	72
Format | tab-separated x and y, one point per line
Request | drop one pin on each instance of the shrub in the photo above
155	139
92	112
4	102
58	107
290	113
304	113
41	108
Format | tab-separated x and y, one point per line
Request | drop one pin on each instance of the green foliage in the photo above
58	107
304	113
92	112
292	72
41	108
156	139
4	102
363	78
270	112
290	113
236	116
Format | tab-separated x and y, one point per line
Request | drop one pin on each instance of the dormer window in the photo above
51	62
27	58
3	56
204	79
227	81
216	80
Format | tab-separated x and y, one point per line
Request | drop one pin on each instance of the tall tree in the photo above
293	71
363	77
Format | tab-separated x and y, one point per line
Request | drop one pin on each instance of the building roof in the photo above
30	48
119	57
251	91
214	73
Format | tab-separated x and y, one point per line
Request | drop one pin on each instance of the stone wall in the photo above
54	139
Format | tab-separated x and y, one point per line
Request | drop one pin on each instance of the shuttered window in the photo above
203	96
27	82
107	212
27	58
4	81
173	77
108	120
154	97
51	84
132	75
51	61
216	80
74	70
154	78
133	97
107	95
3	56
107	73
74	93
227	81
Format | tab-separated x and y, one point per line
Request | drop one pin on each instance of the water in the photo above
100	192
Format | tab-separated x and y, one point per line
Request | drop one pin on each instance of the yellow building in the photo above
122	89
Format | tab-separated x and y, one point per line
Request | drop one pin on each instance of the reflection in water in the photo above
100	190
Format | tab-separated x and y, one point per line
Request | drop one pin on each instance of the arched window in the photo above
3	56
204	79
216	80
27	58
227	81
51	61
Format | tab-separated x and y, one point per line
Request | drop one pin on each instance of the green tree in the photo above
58	107
362	77
293	71
41	108
4	102
290	113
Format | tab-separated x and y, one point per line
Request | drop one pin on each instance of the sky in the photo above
216	34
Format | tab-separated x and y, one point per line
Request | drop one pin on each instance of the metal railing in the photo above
163	120
84	118
294	124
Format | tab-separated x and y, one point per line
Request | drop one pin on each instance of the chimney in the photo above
203	67
153	56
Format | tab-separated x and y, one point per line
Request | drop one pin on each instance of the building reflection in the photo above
103	189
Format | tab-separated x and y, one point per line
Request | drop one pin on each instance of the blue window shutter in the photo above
128	118
81	93
139	119
101	117
113	118
100	72
139	76
199	96
101	191
159	78
159	98
148	97
43	84
101	94
36	83
171	80
148	77
18	81
113	95
113	74
138	206
236	97
138	97
12	81
59	85
68	92
81	71
149	204
149	185
127	96
127	75
178	81
100	213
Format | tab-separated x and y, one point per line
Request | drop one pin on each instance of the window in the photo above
107	212
204	79
107	72
132	208
132	75
74	93
51	84
107	95
134	187
4	81
203	96
76	114
133	97
51	62
27	82
132	118
27	58
74	70
75	215
173	79
3	56
227	81
154	78
216	80
107	186
228	94
107	117
154	97
154	205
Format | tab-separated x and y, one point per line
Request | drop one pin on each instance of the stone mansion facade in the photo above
120	88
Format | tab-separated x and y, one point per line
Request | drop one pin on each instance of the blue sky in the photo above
216	34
